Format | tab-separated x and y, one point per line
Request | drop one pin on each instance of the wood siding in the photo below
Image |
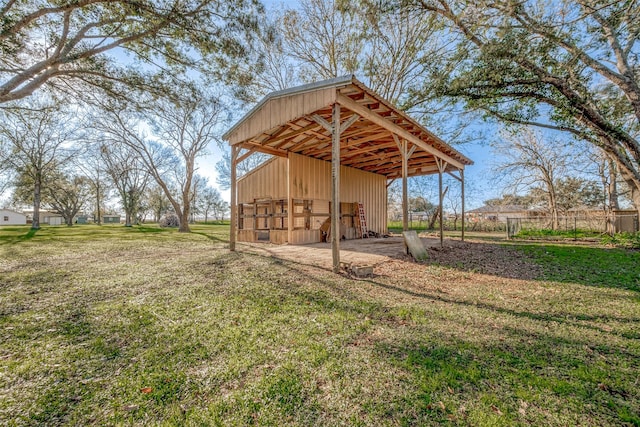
267	181
304	178
279	111
311	179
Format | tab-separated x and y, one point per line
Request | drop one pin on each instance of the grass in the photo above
145	326
624	240
558	234
592	266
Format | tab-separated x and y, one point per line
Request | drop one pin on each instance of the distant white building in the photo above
46	217
9	217
500	213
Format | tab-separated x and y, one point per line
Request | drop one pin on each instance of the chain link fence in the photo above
571	227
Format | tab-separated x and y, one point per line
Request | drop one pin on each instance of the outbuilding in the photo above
11	217
336	147
111	219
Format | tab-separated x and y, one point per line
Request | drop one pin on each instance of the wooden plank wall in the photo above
302	237
311	179
268	180
278	111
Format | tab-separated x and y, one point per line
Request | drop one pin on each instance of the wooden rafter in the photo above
367	140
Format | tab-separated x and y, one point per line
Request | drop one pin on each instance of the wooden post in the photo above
462	191
335	128
234	200
405	197
335	189
402	147
290	218
442	165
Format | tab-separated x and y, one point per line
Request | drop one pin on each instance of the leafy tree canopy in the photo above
72	44
569	65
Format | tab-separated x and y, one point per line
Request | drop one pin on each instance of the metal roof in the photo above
289	121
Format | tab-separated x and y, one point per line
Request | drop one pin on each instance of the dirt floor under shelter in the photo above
387	255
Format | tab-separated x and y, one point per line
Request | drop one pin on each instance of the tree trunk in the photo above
434	218
98	216
611	193
35	224
127	218
129	208
553	207
184	222
614	203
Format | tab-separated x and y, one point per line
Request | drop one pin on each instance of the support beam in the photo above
405	154
405	191
335	188
459	178
234	199
352	105
290	217
335	128
246	155
410	153
351	120
442	166
322	122
288	136
462	191
263	149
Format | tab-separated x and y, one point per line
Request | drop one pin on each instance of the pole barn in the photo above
336	147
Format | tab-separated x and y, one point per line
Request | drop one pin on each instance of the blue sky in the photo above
478	176
480	184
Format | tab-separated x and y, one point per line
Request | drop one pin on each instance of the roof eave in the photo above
335	82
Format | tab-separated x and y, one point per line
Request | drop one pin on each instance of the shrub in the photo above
626	240
169	220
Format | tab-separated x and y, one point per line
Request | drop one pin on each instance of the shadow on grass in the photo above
567	263
13	239
592	266
538	362
505	374
567	316
210	237
437	364
145	229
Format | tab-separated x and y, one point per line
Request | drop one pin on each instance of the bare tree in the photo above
68	196
37	139
453	199
325	42
526	159
211	202
396	48
198	188
129	176
182	131
93	168
156	201
278	70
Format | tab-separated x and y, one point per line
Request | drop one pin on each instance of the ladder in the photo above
362	220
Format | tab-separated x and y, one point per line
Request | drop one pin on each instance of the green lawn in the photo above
145	326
